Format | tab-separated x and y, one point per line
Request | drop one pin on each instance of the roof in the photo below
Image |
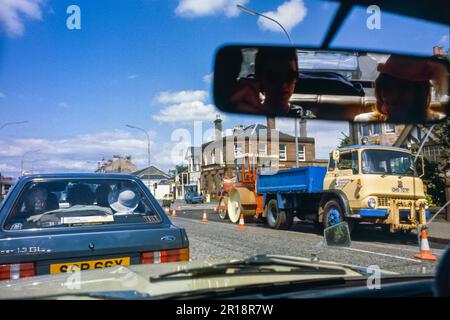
372	146
153	177
194	152
256	129
83	175
152	170
117	164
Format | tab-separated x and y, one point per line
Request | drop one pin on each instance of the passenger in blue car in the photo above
124	201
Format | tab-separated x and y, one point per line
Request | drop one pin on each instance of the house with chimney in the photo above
116	164
262	141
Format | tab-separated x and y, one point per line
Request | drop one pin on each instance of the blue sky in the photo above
147	63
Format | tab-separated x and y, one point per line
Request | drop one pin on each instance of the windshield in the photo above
386	162
112	147
77	203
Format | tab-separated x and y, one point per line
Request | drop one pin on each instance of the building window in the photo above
213	157
237	149
376	129
390	128
432	153
301	153
283	153
372	129
365	130
262	150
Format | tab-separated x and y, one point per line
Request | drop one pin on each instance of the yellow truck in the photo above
378	184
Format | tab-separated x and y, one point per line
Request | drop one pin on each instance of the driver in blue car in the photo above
269	92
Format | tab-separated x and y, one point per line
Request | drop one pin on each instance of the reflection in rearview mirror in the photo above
331	85
337	235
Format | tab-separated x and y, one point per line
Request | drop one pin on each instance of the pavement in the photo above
217	239
439	231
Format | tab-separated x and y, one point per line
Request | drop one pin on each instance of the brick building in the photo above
218	155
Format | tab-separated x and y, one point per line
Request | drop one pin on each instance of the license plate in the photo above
89	265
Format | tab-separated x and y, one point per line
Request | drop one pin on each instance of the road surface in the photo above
218	239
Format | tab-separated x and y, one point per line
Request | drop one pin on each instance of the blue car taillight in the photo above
17	271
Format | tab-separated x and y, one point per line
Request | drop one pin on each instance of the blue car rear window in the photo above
80	202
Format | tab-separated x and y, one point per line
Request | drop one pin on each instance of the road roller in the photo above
241	197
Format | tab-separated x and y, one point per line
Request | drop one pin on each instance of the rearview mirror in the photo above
331	85
337	235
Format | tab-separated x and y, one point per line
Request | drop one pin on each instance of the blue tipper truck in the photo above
292	189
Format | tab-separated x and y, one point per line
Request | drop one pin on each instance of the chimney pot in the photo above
218	127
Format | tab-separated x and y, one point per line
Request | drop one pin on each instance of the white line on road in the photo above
382	254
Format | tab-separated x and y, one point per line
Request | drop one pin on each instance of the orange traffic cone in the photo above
167	210
174	213
241	222
425	253
205	217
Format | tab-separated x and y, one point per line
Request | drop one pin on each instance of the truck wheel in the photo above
276	218
332	214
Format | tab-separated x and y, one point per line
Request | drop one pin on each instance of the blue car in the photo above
57	223
193	198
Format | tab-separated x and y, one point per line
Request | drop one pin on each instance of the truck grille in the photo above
386	201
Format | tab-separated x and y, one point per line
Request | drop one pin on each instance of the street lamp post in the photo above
148	147
254	13
23	156
11	123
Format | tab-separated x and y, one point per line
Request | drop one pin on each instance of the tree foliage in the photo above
345	141
442	132
434	183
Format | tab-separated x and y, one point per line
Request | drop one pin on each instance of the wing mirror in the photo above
331	85
337	235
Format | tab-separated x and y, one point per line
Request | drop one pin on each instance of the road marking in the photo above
382	254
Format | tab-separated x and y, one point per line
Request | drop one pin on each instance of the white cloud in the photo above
132	76
185	107
444	41
208	78
78	153
2	95
288	14
187	112
167	97
8	168
14	12
203	8
82	153
327	134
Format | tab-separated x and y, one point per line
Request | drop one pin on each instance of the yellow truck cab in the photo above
380	184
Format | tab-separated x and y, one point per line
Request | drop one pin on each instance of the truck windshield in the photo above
387	162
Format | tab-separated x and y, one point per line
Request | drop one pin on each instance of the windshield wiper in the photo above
256	264
110	295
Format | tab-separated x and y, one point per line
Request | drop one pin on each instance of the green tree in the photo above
434	183
345	141
442	132
181	168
